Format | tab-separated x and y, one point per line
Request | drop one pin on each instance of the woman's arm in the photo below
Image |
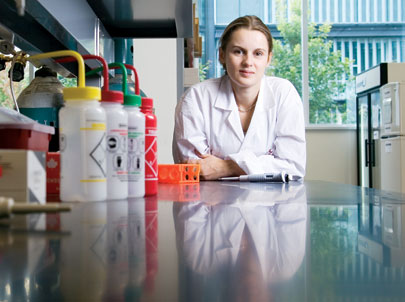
189	138
289	148
212	167
190	144
288	151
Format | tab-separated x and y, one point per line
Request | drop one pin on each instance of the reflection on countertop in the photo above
243	245
212	241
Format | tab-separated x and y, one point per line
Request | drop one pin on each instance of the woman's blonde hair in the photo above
248	22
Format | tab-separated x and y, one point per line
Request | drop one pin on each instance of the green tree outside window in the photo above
6	99
329	75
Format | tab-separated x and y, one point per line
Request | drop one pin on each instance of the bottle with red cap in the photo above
151	162
117	142
117	132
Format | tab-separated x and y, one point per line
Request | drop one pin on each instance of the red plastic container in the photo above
20	132
151	161
151	241
53	174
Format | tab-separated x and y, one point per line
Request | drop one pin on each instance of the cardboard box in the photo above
24	175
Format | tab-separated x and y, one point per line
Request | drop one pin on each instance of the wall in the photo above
332	155
155	61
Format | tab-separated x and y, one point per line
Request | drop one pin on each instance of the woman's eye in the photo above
237	51
259	53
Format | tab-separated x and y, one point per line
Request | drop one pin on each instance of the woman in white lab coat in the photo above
244	122
239	249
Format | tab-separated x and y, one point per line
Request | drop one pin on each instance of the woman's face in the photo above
246	58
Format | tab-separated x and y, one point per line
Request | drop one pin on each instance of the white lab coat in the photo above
207	120
209	235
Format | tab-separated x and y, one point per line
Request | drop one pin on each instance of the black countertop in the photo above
212	241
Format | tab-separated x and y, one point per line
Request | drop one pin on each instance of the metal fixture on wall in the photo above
145	18
45	32
51	25
20	4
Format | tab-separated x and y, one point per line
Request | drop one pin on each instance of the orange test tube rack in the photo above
180	193
179	173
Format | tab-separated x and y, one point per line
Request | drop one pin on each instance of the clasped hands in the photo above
212	167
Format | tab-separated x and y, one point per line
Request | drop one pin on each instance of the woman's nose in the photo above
247	59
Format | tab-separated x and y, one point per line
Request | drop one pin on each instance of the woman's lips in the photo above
246	72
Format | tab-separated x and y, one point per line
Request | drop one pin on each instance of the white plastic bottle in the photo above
117	142
136	146
82	144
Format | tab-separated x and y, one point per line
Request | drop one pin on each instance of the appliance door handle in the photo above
366	151
372	153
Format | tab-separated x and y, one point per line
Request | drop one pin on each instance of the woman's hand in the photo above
212	167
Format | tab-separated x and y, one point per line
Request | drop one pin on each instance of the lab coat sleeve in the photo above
189	135
289	148
208	236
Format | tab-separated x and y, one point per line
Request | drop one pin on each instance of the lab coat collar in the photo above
226	100
266	97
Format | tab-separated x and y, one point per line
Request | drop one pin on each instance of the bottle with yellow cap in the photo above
82	137
83	146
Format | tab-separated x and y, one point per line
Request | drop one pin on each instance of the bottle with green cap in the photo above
136	134
136	146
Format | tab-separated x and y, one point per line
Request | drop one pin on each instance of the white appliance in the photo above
392	145
386	243
368	102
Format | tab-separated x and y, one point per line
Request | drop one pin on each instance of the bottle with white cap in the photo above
136	146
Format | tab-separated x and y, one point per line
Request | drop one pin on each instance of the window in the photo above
6	99
394	51
350	36
316	11
362	56
270	6
378	52
225	13
363	16
370	55
355	61
252	7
